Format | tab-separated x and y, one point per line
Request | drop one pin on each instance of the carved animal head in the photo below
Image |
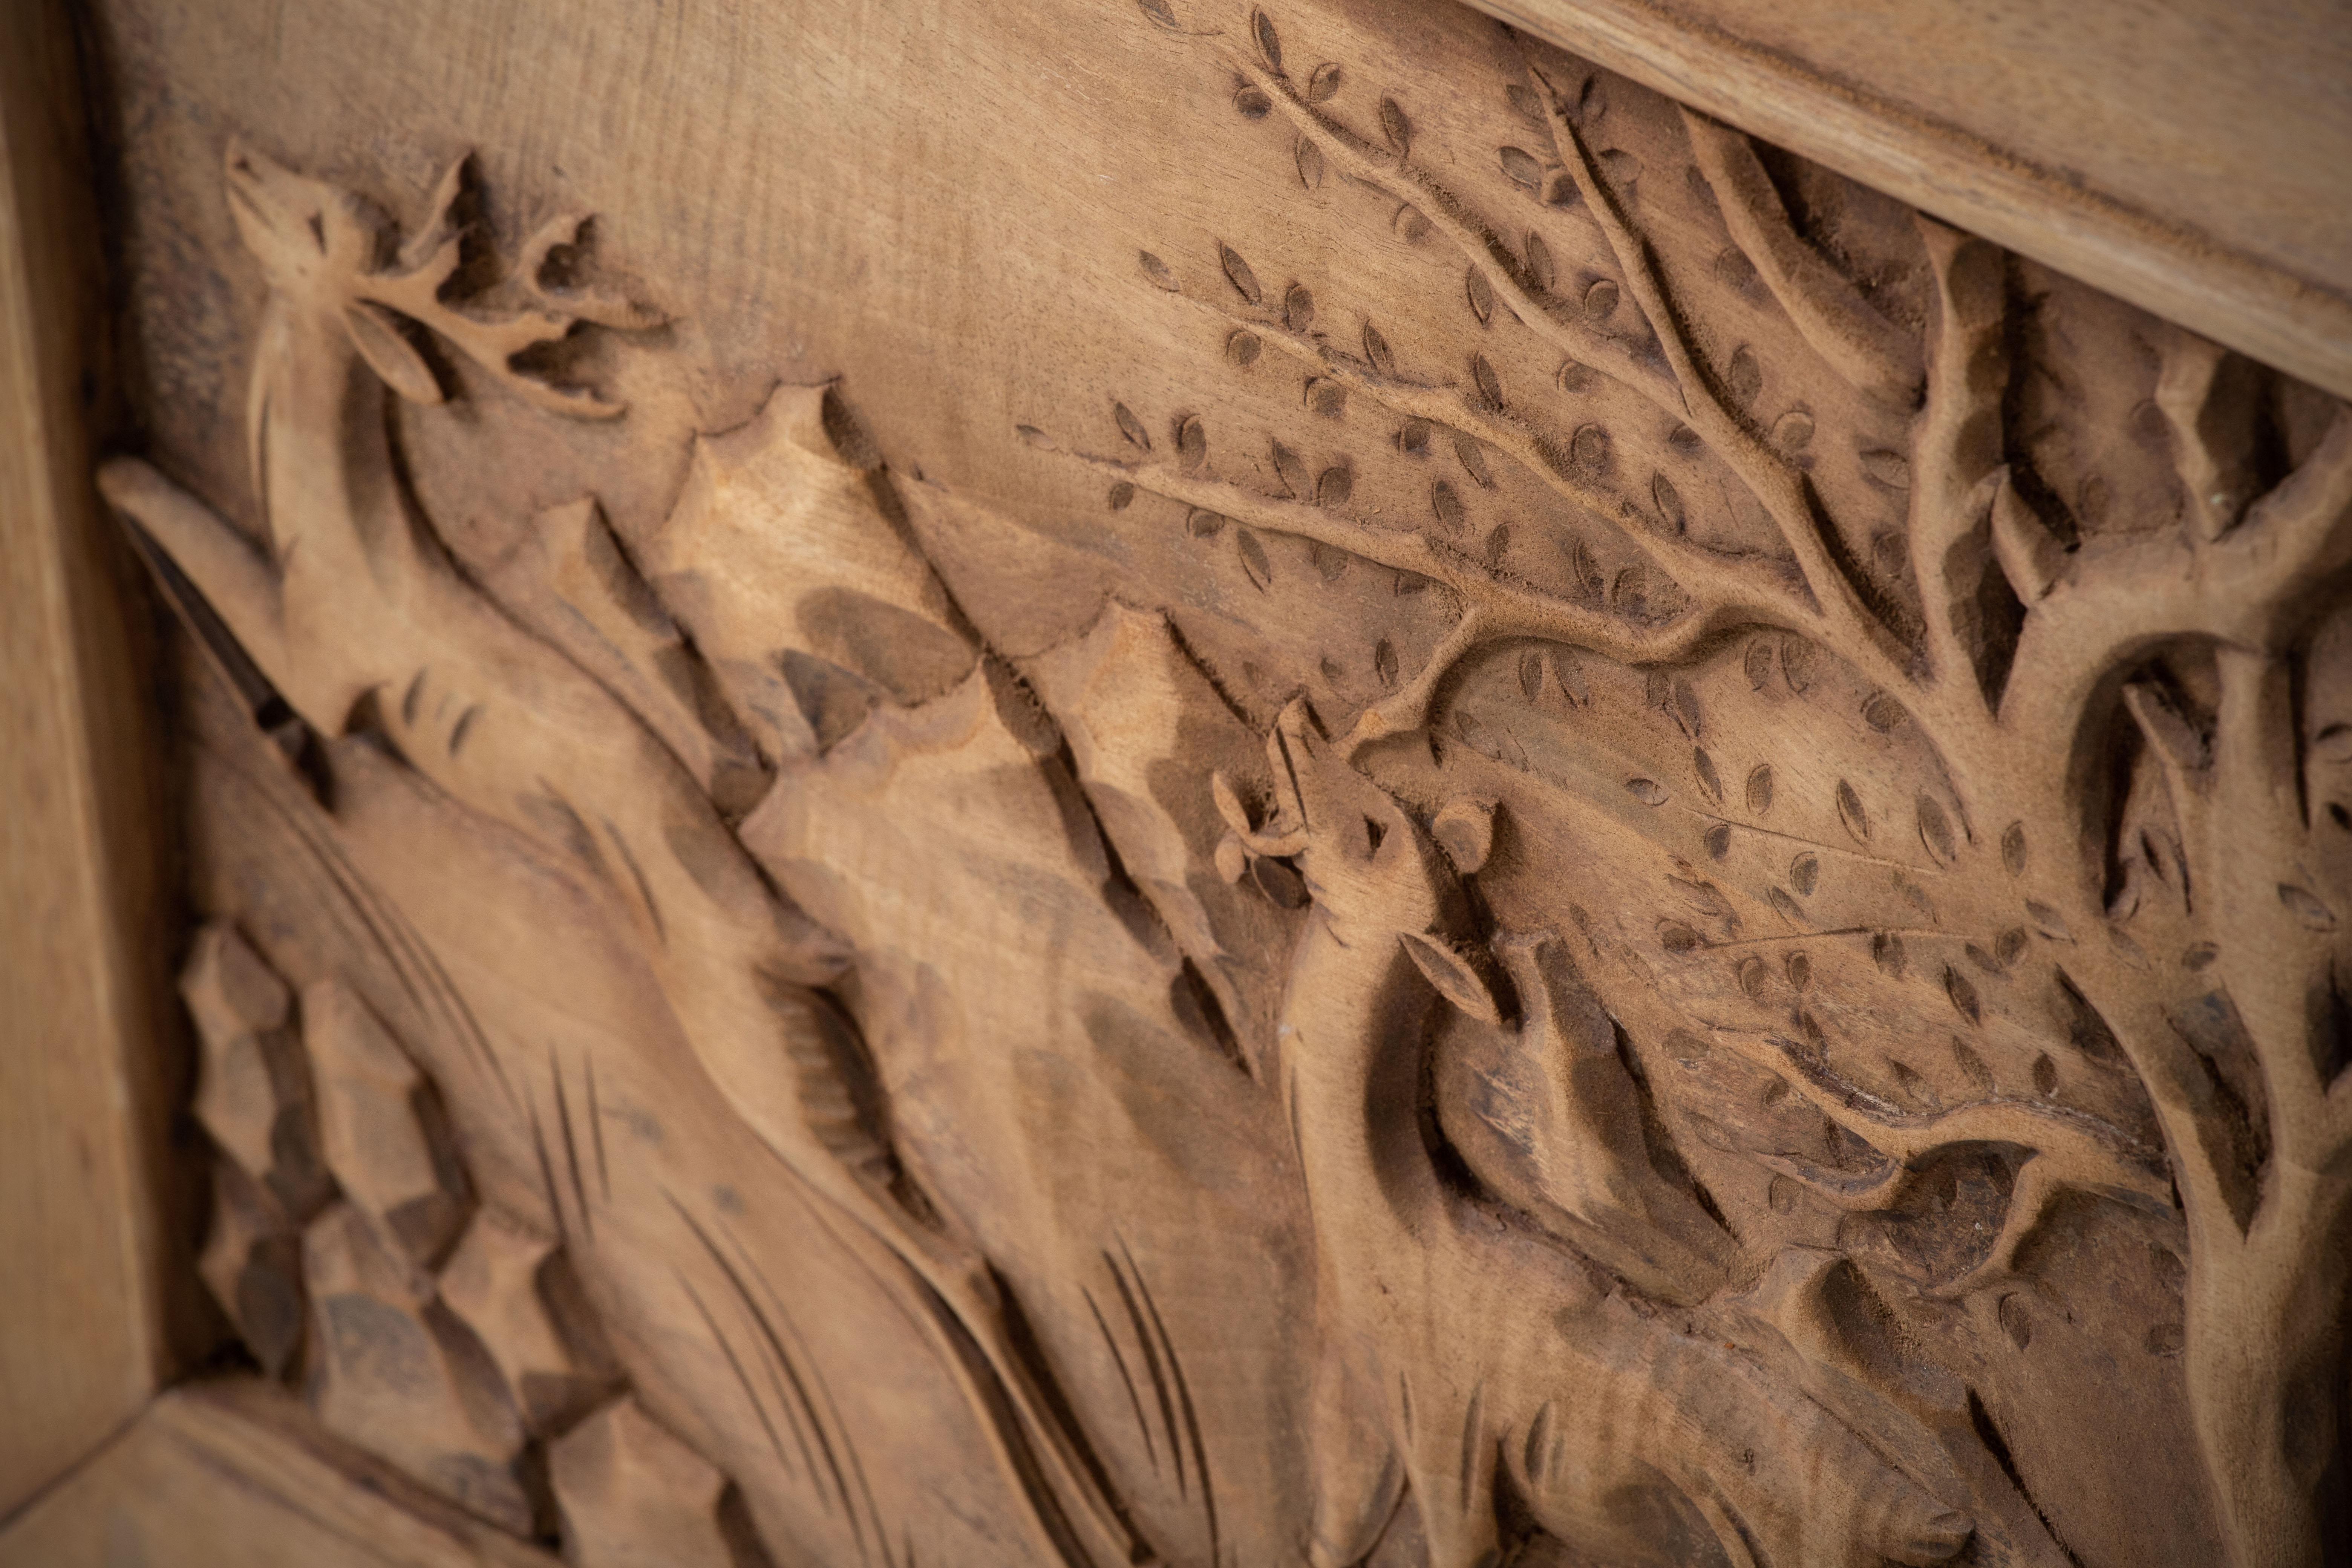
308	235
1374	872
329	260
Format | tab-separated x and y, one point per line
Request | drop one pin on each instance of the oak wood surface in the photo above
1226	784
210	1474
83	1086
2190	158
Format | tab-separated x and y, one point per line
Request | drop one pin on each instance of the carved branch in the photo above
1955	451
1844	624
1870	352
1393	177
1700	571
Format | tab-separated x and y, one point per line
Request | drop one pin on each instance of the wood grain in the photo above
2188	158
1210	783
83	1084
235	1472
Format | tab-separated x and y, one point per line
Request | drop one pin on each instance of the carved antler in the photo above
430	260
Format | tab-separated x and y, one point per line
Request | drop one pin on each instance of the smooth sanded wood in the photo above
80	1350
234	1472
2191	158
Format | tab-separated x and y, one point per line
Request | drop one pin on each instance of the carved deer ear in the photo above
376	334
1452	974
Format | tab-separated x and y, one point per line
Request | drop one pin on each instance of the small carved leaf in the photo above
1718	841
1131	427
2013	849
1325	396
1805	873
1157	270
1202	523
1601	300
1760	788
1384	661
1310	163
1521	166
1526	104
1883	712
1122	496
1531	668
1337	483
1793	431
1539	264
1252	101
1451	974
1588	571
2314	915
1412	437
1849	812
1758	663
1797	664
1745	378
1892	469
1191	443
1589	449
1396	127
1238	273
1411	226
1709	779
1472	459
1037	438
1482	294
1786	907
1936	829
1490	386
1159	11
1269	42
2048	921
1291	471
1253	559
1670	501
1376	350
1241	347
1446	505
1324	85
1298	307
1678	938
1963	992
1648	791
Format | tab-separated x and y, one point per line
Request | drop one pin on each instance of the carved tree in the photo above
2175	908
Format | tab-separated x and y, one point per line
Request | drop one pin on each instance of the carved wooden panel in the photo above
1170	783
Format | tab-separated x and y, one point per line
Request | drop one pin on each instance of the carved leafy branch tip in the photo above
1839	619
1871	353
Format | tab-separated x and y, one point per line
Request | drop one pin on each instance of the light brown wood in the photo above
1184	782
233	1473
2190	158
82	1084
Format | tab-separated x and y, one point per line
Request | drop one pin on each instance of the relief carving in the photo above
1660	881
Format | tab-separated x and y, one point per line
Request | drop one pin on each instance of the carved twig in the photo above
1699	571
1955	454
1393	177
1845	624
1869	350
